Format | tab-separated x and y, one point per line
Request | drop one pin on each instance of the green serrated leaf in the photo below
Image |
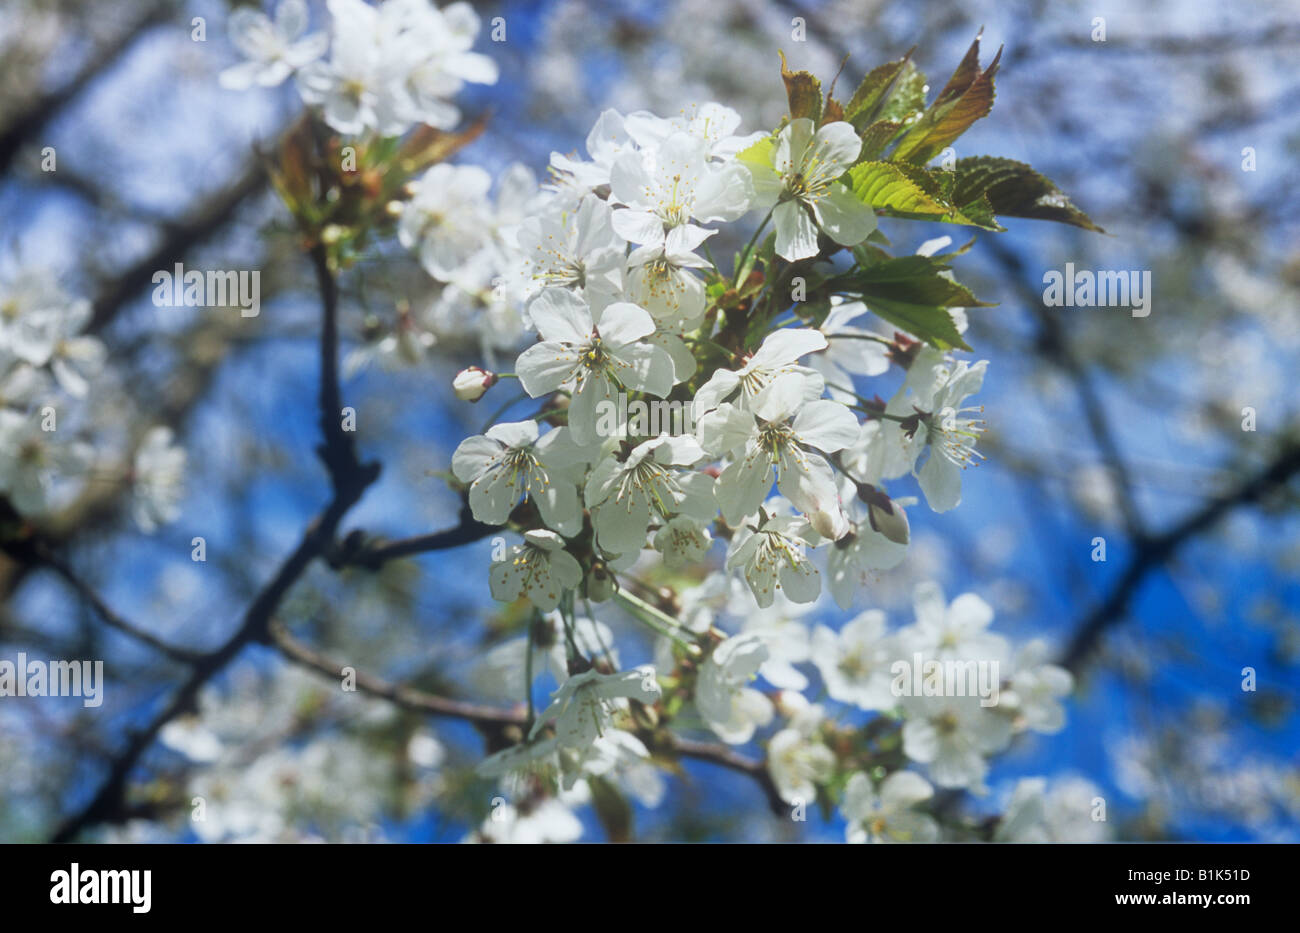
906	99
882	185
876	137
911	292
890	82
871	91
915	193
933	325
1014	189
980	213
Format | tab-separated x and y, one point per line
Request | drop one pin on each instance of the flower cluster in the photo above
619	295
389	67
47	367
678	416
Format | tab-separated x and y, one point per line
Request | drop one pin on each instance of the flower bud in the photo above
890	520
470	384
600	583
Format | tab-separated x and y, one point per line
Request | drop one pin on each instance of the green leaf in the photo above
862	105
759	154
880	184
913	293
967	97
1013	189
876	137
906	99
932	324
804	92
914	193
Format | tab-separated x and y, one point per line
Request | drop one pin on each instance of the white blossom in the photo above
797	760
511	462
732	708
584	705
772	557
157	480
952	736
540	569
784	433
591	358
1036	690
889	814
446	222
651	483
855	661
275	48
797	174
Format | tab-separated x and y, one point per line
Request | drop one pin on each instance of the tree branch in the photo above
42	553
1055	347
419	701
356	551
338	450
726	758
350	480
409	698
1156	550
178	240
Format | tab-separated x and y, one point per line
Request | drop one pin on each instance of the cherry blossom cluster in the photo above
603	286
50	448
389	68
618	298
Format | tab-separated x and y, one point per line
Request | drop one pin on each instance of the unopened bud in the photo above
470	384
600	583
890	520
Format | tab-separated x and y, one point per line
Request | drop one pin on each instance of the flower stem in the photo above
749	247
655	619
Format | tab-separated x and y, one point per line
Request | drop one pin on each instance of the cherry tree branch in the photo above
724	757
408	698
107	803
349	479
1053	344
32	120
420	701
356	551
338	451
43	554
1159	549
179	238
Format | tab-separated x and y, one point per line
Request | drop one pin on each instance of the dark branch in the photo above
1055	348
1155	551
338	449
45	555
350	480
356	551
179	238
409	698
724	757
